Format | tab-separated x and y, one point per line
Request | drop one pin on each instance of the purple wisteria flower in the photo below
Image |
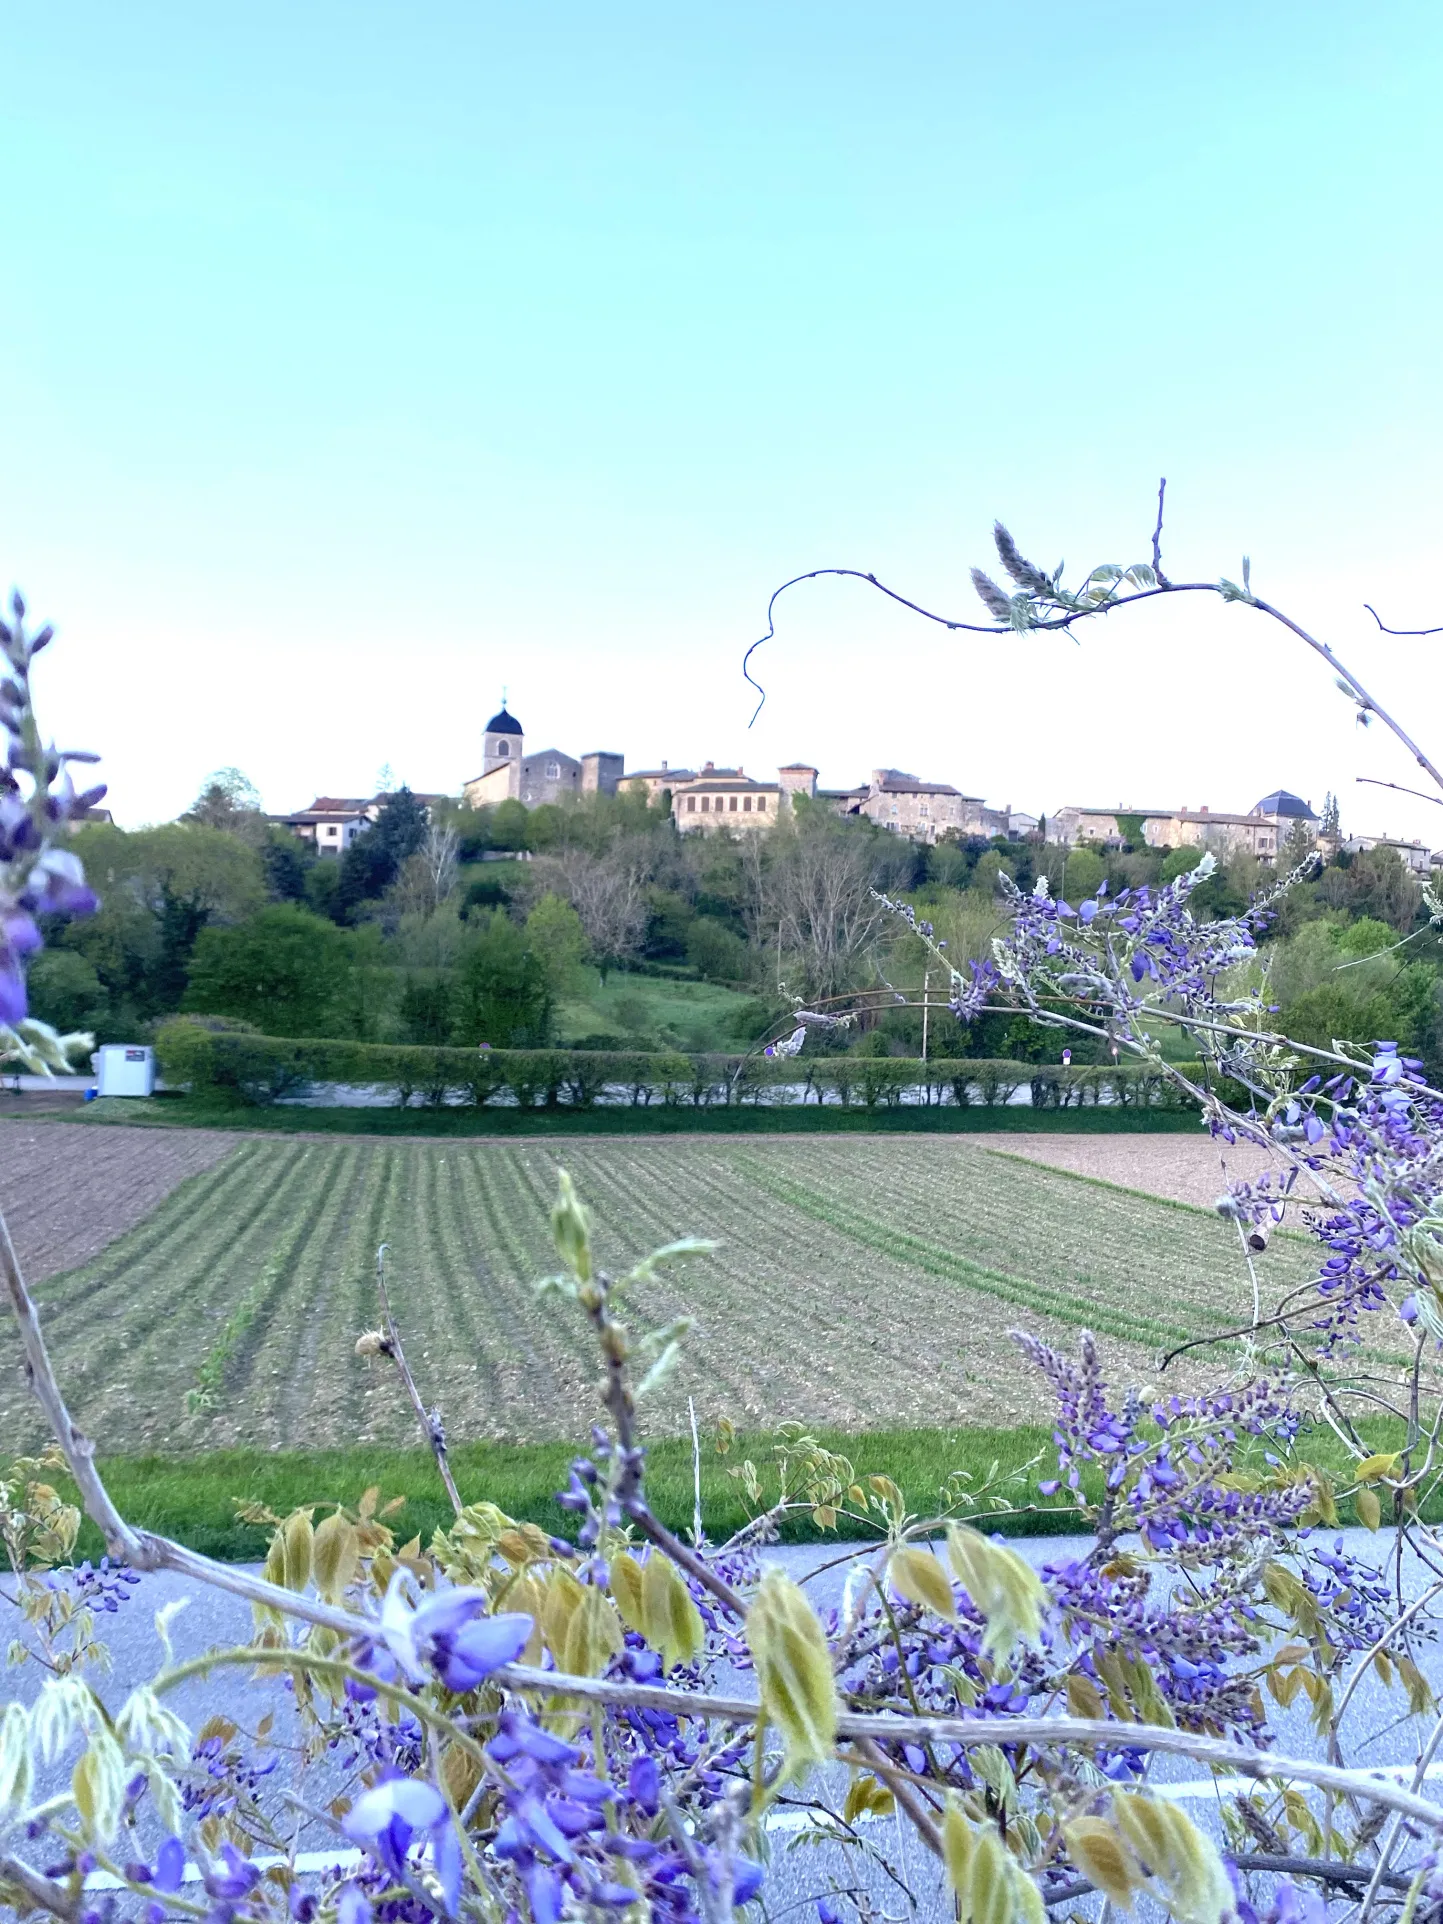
38	800
387	1820
447	1633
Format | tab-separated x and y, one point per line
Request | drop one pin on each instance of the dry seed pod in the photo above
794	1669
920	1578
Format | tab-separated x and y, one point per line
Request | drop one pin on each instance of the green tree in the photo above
287	862
510	824
1081	877
670	917
66	992
426	1009
716	953
501	995
1298	844
556	937
229	801
285	971
374	860
1375	883
159	888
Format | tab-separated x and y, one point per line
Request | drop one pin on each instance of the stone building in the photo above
922	811
727	798
656	781
1414	856
508	773
1261	832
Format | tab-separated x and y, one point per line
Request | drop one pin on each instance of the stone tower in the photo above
504	743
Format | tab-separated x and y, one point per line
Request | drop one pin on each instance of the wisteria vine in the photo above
510	1724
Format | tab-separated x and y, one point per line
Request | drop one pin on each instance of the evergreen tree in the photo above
373	861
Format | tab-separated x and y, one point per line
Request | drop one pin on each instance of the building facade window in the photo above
691	804
761	804
732	804
553	770
503	749
746	804
705	804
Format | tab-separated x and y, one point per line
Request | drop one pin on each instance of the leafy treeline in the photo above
593	924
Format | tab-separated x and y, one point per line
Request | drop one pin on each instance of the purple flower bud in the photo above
643	1781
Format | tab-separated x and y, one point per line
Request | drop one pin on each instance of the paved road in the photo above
1375	1737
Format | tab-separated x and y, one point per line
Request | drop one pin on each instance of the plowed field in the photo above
860	1281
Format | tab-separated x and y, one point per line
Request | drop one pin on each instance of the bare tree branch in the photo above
430	1420
1162	580
1398	631
1373	782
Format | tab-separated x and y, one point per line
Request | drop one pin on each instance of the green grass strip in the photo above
193	1499
936	1260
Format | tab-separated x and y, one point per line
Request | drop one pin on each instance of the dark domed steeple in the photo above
504	724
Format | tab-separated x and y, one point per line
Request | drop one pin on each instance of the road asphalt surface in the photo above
1374	1737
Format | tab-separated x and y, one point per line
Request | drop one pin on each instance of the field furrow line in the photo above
939	1261
542	1379
258	1255
161	1322
277	1370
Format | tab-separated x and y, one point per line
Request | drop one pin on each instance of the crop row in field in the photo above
859	1283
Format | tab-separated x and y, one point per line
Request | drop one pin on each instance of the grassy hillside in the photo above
670	1011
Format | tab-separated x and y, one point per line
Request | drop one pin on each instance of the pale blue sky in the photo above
356	360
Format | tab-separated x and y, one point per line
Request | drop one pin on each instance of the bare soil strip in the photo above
1188	1169
68	1189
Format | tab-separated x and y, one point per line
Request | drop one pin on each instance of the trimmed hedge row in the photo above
265	1069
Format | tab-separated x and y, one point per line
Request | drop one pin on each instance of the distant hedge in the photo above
266	1069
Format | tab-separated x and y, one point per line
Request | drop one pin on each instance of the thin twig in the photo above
1395	1828
1327	1870
1162	580
1372	781
1064	622
430	1420
905	1794
1398	631
41	1890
